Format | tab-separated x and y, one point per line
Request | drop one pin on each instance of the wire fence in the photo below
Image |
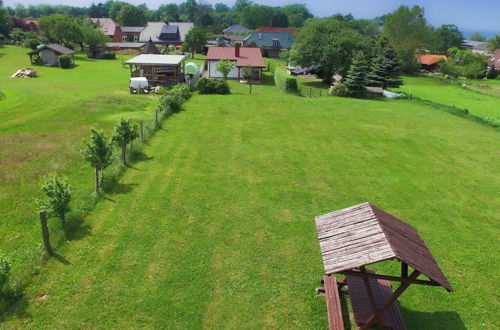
312	92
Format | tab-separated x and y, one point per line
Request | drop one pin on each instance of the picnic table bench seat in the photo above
361	305
335	321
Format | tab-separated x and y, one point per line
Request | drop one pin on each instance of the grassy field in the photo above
43	123
213	226
479	104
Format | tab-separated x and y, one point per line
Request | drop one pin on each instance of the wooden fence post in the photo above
320	91
45	232
141	124
310	92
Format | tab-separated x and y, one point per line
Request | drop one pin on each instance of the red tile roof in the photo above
494	59
276	29
107	24
249	56
430	59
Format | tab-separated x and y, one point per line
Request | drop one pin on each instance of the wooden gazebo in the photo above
355	237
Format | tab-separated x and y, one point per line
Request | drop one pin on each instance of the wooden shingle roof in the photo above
364	234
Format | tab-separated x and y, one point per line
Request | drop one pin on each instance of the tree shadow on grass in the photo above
436	320
139	156
76	228
17	310
118	188
60	258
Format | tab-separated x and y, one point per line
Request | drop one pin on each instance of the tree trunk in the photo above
96	179
63	220
124	154
45	232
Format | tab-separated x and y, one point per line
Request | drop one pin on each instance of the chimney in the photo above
237	49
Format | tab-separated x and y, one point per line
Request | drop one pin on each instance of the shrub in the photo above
31	43
270	65
492	74
182	90
284	81
109	56
213	86
338	89
65	61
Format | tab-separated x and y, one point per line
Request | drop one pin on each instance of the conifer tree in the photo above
385	70
356	78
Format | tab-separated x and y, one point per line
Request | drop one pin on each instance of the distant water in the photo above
487	34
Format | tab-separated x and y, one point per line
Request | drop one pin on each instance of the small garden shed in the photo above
158	69
48	55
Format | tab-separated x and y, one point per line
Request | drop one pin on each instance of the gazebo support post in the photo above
390	300
404	269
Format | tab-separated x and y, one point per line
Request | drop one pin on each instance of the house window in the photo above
124	38
260	36
276	43
136	38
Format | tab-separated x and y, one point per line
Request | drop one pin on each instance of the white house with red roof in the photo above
241	56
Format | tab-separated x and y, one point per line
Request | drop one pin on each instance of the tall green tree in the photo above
446	37
61	28
407	30
385	71
125	132
98	152
256	16
169	12
494	43
476	36
297	14
191	10
93	38
5	24
57	196
130	15
357	78
279	19
195	40
329	43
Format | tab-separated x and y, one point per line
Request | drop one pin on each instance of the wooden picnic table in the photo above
355	237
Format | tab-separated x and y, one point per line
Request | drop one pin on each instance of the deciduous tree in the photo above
57	196
407	30
195	40
130	15
61	28
224	67
328	43
494	43
476	36
125	132
445	37
98	152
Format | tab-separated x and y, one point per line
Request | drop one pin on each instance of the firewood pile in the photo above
24	73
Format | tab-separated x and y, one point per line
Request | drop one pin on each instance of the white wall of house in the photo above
216	74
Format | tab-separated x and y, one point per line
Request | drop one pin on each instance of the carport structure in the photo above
352	238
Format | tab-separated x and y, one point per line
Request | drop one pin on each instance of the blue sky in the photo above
469	15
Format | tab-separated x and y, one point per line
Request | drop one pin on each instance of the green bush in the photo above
31	43
284	81
213	86
182	90
270	65
65	61
109	56
338	89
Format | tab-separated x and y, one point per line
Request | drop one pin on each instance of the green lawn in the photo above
43	122
479	104
213	227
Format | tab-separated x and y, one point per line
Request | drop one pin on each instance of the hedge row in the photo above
270	65
284	81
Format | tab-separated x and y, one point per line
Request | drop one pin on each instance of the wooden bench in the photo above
335	321
361	305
